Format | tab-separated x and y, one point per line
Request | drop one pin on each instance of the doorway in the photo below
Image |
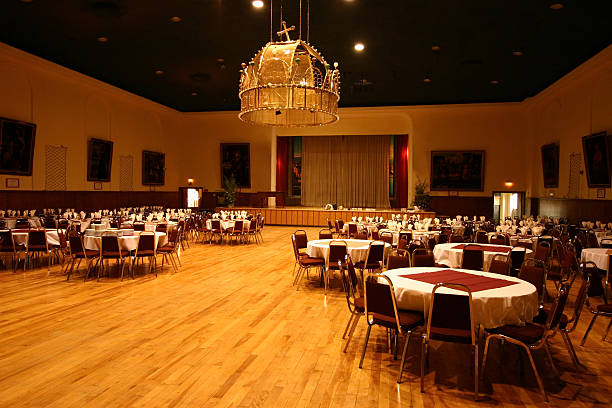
508	204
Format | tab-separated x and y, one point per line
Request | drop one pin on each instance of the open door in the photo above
508	204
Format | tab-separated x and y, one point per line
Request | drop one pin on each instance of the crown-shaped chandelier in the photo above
288	83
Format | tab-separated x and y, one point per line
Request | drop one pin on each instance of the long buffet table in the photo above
318	217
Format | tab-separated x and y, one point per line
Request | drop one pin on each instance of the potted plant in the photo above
421	195
230	189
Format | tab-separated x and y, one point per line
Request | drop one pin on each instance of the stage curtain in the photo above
282	156
351	171
401	170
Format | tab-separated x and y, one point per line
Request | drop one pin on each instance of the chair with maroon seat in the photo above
381	310
79	253
337	252
407	235
139	226
531	336
24	223
374	235
443	238
110	250
500	264
375	258
60	250
354	297
387	237
498	240
326	233
402	247
421	258
145	248
340	229
170	251
527	245
37	245
301	241
517	256
398	261
482	237
450	319
7	250
542	251
330	226
252	231
534	272
597	289
363	235
215	229
236	233
352	230
456	238
473	257
304	262
566	325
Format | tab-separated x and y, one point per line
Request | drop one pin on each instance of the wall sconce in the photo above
190	182
509	184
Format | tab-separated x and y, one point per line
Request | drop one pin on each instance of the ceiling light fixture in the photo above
359	47
494	82
289	89
194	93
556	6
159	72
517	53
258	4
436	48
427	79
102	39
175	19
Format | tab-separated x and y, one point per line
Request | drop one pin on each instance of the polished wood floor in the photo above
229	330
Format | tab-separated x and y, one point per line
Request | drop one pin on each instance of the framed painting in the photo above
236	164
596	159
550	165
16	147
153	168
99	160
457	170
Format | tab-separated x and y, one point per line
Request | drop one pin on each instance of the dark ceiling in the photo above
475	62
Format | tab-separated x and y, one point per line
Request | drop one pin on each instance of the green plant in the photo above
230	190
421	195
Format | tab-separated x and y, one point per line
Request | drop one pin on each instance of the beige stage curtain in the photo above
351	171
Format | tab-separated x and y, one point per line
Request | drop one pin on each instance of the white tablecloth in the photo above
600	256
127	243
21	237
360	226
446	254
357	248
514	304
229	224
422	235
10	222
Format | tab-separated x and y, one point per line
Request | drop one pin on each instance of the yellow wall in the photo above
69	108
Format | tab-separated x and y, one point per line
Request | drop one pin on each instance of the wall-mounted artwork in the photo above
236	163
597	159
99	160
457	170
16	147
550	165
153	168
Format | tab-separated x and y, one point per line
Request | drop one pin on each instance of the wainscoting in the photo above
574	210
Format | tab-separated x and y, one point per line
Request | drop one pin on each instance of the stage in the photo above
317	217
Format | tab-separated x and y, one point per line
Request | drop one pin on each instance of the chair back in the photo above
110	243
606	243
238	226
139	226
61	235
215	225
146	242
325	234
415	244
407	235
420	259
482	237
62	223
161	227
380	298
499	264
361	235
376	253
339	226
542	250
352	229
301	239
557	308
534	272
443	238
294	244
37	238
387	237
517	256
329	225
581	298
473	257
451	315
592	240
375	235
398	261
456	238
498	241
6	241
402	245
24	223
173	236
350	283
596	288
76	245
337	252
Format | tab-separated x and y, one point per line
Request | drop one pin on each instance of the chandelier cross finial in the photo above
285	31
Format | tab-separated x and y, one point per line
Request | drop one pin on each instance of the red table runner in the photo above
475	283
487	248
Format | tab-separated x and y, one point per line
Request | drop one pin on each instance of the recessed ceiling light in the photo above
427	79
359	47
102	39
556	6
494	82
517	53
194	93
436	48
175	19
220	60
26	1
159	72
257	3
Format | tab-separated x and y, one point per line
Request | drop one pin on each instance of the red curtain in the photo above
401	170
282	155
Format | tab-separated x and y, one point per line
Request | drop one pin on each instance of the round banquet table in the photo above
600	256
20	238
229	224
425	236
127	243
10	222
448	254
357	248
514	304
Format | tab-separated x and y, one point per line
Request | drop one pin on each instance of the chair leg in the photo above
570	349
350	335
606	332
365	345
401	370
550	359
475	350
423	347
588	330
535	371
484	358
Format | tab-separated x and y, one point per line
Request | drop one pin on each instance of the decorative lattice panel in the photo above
575	164
55	167
126	176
